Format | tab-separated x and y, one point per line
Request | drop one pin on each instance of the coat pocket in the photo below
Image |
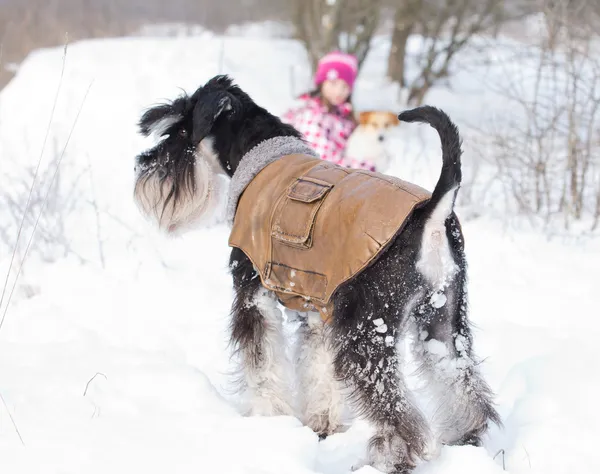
294	218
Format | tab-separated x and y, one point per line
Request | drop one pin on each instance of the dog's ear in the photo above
393	119
158	119
213	101
363	117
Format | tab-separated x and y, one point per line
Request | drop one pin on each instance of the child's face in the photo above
335	91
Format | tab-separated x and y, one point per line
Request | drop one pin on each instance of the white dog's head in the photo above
367	142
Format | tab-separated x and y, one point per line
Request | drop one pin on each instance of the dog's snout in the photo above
381	138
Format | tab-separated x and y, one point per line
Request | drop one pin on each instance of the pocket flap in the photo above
296	214
308	189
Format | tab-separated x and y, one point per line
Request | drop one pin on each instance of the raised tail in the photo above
451	175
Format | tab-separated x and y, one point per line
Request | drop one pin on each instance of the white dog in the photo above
366	145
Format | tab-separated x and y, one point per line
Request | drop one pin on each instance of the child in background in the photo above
325	115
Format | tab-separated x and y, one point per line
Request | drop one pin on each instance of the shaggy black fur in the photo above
451	173
219	110
392	289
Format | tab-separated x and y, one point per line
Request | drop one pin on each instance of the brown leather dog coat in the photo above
309	225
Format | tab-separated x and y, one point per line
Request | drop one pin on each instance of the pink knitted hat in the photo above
337	65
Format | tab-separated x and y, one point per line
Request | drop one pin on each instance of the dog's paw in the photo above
269	406
431	450
365	468
391	453
324	433
359	465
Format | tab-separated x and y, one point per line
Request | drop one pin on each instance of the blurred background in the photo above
321	25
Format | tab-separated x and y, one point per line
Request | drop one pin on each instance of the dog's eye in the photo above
183	132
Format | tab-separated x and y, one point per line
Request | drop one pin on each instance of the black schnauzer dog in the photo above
417	286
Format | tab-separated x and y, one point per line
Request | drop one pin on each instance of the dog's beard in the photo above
193	201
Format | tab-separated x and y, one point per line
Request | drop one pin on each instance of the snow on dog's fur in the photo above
420	277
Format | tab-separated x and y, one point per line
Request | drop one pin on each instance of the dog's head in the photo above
377	122
200	137
367	141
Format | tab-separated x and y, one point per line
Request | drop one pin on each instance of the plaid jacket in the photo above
327	132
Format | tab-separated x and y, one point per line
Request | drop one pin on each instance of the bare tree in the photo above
447	27
346	25
550	157
404	25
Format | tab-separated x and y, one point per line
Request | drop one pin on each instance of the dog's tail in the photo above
449	181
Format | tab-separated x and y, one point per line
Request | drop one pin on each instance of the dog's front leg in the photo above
321	396
257	336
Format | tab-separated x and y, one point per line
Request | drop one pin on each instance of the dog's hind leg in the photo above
257	336
368	361
320	393
443	349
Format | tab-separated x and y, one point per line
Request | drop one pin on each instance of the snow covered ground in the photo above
120	363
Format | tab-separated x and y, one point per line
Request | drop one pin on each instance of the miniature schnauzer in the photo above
418	285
